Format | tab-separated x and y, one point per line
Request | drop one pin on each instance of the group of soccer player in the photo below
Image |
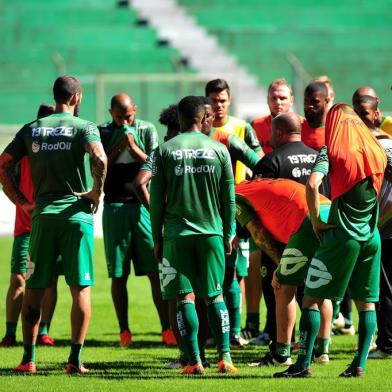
287	206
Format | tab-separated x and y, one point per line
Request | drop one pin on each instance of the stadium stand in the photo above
86	38
348	40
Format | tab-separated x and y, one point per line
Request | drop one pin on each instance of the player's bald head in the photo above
121	101
287	123
362	91
285	128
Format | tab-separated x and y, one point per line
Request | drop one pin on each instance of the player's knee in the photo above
31	314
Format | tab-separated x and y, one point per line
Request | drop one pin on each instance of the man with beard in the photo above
62	220
316	102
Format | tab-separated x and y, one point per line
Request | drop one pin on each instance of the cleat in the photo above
321	359
125	338
272	360
205	363
346	330
238	342
249	333
177	364
263	339
168	337
293	372
45	340
28	368
379	354
196	370
225	367
8	341
72	369
338	322
350	372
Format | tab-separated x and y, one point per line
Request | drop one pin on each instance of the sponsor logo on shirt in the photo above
318	275
297	172
302	158
190	153
59	146
188	169
49	131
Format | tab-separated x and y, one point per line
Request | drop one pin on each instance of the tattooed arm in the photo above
264	240
10	184
98	162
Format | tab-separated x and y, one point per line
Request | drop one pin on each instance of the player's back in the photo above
193	169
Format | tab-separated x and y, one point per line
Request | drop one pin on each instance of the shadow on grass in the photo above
121	370
107	343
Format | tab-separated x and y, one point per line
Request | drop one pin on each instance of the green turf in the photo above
140	367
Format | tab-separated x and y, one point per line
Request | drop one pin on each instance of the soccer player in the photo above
367	109
290	159
277	208
331	92
280	100
192	199
349	254
219	92
126	222
62	220
316	103
383	122
19	260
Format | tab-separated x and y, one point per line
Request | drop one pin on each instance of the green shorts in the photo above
20	248
342	262
302	245
200	264
52	237
242	262
127	236
252	245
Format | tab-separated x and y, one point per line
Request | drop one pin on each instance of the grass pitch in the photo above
114	368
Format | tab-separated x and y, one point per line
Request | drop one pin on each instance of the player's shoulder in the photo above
106	126
143	126
261	121
236	122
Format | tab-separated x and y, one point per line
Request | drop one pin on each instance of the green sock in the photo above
165	324
308	330
10	328
233	303
283	349
335	309
43	328
322	345
366	328
252	321
188	325
28	353
74	356
218	318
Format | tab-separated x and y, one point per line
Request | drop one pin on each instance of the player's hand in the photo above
235	243
28	208
158	251
228	248
275	282
93	196
319	227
